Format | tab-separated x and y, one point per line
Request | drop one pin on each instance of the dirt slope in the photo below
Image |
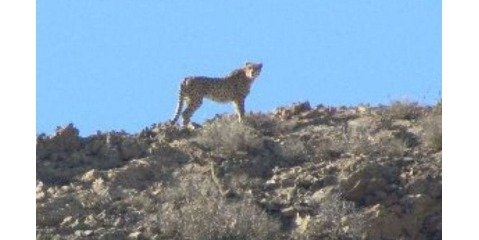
299	172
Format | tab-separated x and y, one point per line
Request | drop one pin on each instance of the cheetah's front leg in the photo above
239	107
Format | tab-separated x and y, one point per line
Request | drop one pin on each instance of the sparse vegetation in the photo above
359	140
227	135
432	127
200	212
266	124
301	172
404	109
335	219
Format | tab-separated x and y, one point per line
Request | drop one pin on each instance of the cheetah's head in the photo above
252	70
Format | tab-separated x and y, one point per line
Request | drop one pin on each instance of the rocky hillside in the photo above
299	172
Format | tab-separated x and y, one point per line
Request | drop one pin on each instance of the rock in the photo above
101	216
302	223
289	211
78	233
294	109
301	107
271	184
98	186
39	186
138	174
67	221
90	220
87	233
308	181
134	235
294	210
119	222
75	224
51	190
318	196
66	138
90	176
362	110
40	196
366	186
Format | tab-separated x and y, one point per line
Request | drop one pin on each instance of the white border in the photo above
460	124
17	126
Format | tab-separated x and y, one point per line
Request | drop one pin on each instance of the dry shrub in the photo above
267	124
397	143
164	133
229	136
359	140
325	146
432	129
335	219
392	147
294	151
372	139
197	211
403	110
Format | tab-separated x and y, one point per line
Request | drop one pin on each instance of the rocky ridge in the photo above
299	172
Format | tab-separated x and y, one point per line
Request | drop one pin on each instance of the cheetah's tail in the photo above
179	107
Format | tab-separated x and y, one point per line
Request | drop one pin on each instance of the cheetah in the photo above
232	88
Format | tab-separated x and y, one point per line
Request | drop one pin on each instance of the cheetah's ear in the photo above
248	63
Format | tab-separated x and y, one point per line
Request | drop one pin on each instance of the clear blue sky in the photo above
113	65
